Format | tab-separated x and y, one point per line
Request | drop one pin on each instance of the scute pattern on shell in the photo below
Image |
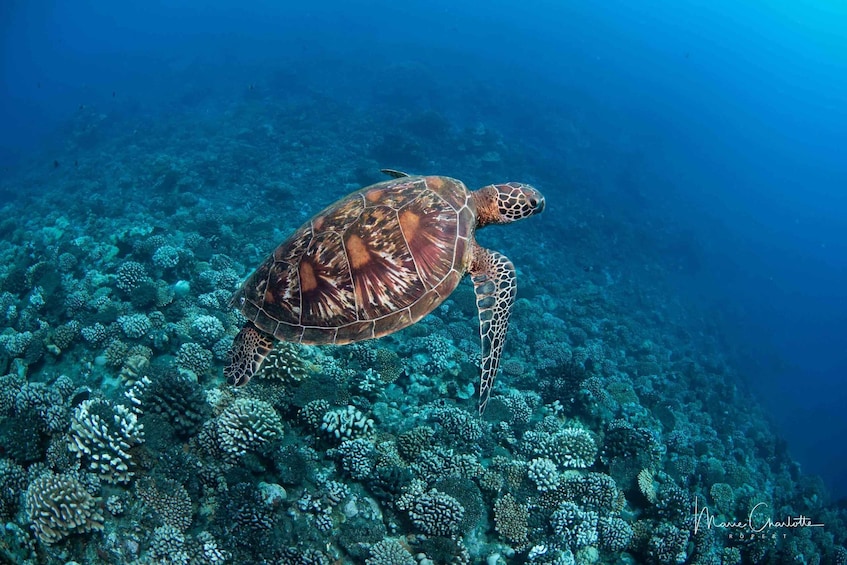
374	262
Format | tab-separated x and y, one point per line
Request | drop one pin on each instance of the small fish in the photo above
113	94
55	164
82	106
80	396
76	162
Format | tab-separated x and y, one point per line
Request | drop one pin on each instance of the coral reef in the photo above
617	410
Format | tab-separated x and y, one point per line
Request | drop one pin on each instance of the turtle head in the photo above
508	202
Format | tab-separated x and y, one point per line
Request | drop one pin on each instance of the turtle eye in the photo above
533	202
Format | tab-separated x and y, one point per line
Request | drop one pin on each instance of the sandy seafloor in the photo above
617	412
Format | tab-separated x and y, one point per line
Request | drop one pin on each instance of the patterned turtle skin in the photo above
379	260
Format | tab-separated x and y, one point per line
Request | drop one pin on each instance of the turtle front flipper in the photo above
394	173
248	352
495	284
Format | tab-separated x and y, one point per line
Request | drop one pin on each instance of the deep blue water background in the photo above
724	122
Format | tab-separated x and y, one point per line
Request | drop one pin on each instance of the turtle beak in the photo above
537	201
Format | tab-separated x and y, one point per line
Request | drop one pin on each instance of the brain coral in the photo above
59	505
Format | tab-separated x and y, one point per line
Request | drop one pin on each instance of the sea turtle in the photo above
378	260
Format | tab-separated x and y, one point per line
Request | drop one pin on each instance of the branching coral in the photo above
176	397
207	329
411	443
459	424
511	520
286	362
168	499
246	425
577	527
570	448
357	457
390	552
437	514
193	357
59	505
135	326
614	533
12	482
167	546
668	545
542	471
347	422
103	433
723	497
130	274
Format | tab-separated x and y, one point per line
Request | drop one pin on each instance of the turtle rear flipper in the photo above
496	286
248	352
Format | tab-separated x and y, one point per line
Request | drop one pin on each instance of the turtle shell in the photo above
374	262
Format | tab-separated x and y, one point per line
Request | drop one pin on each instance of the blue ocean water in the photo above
691	155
